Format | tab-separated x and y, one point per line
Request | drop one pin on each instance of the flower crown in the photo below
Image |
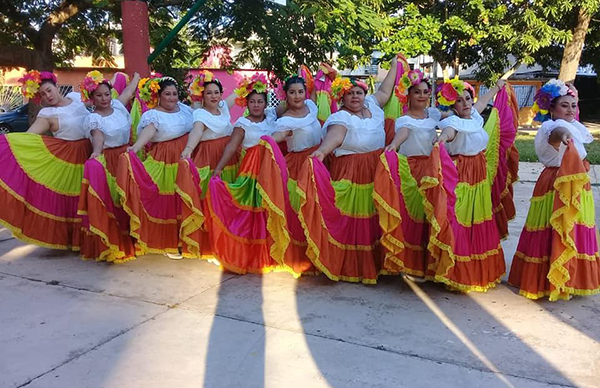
543	98
342	85
257	83
196	87
409	78
31	82
90	83
449	92
280	86
148	91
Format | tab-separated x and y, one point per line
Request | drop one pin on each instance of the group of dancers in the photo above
333	180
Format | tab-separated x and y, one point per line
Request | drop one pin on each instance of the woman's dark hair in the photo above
255	92
47	81
427	82
216	82
105	82
164	83
295	79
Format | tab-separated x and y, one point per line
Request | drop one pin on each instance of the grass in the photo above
526	149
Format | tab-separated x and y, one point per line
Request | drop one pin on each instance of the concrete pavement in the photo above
155	322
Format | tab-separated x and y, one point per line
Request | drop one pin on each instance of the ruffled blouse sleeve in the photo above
342	118
91	122
75	97
149	117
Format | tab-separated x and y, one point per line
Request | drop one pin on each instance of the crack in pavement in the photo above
98	345
98	292
382	348
107	340
178	305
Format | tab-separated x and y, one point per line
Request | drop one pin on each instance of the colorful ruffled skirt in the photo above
503	156
105	225
147	194
40	183
392	110
557	255
246	219
339	218
414	208
193	176
477	253
296	259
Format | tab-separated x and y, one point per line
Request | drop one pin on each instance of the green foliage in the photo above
183	52
303	32
483	32
526	147
38	25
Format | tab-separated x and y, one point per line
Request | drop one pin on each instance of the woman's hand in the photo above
133	149
500	84
565	138
318	154
187	153
217	172
94	155
443	138
392	147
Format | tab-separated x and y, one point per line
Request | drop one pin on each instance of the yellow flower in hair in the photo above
242	91
154	86
96	76
340	86
142	82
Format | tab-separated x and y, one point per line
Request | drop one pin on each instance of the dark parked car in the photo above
15	121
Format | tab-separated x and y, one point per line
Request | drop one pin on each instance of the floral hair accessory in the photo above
167	78
148	91
257	83
409	79
292	76
543	98
449	92
90	83
31	82
342	85
196	87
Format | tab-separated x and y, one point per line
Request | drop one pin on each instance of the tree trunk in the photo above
572	52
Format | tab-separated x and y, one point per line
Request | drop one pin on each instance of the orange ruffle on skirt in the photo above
35	207
192	186
148	196
296	258
414	208
339	218
105	224
557	255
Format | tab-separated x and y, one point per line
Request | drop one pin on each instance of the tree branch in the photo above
66	10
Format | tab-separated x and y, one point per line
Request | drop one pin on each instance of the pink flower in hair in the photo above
44	75
415	77
448	92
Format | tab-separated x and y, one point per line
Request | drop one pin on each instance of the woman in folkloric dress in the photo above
557	255
147	189
40	181
105	224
